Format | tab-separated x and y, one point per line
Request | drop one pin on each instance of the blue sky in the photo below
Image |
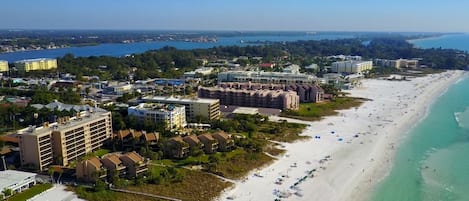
305	15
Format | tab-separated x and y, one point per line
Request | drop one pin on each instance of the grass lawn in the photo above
315	111
31	192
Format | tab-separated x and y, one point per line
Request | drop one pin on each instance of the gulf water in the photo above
432	162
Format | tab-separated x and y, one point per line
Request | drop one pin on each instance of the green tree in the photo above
7	192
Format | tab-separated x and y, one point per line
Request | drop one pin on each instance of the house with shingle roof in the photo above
225	141
194	143
177	148
136	164
114	165
90	170
210	144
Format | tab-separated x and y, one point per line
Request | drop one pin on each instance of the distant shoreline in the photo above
426	38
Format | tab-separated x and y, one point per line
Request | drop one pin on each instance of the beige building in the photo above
173	116
36	64
398	63
265	98
3	66
207	108
64	141
351	66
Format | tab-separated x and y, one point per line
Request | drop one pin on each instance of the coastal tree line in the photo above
169	62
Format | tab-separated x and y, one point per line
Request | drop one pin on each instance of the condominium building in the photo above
398	63
3	66
207	108
306	92
252	98
173	116
267	77
351	66
36	64
64	141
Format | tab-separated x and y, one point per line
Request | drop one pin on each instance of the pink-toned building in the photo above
252	98
307	92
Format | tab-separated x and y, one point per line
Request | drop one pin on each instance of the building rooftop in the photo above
33	60
133	156
181	100
56	105
83	118
9	178
156	107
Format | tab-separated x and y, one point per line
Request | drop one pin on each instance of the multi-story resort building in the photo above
351	66
207	108
3	66
398	63
173	116
306	92
64	141
252	98
266	77
36	64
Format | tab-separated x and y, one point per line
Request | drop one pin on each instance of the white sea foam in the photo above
462	118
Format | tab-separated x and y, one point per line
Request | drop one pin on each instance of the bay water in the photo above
121	49
450	41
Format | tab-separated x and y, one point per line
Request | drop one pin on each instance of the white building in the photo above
17	181
293	69
351	66
173	116
195	107
312	67
202	71
119	89
346	57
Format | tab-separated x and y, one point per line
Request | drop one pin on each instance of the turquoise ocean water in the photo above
432	163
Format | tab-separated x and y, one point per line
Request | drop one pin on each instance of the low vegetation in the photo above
31	192
316	111
196	185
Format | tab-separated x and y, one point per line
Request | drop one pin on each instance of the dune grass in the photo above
316	111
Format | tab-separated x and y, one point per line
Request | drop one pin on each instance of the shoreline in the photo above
356	148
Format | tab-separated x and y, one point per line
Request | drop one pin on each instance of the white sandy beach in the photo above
355	149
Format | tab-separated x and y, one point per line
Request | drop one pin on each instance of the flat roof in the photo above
246	110
9	178
74	121
31	60
180	100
